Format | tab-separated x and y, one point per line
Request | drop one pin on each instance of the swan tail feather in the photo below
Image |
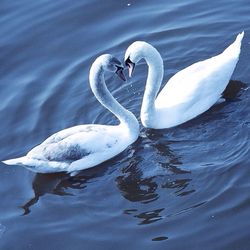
234	49
39	166
16	161
240	37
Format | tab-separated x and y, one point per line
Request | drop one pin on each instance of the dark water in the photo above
181	188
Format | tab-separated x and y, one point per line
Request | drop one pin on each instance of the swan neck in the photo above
102	94
153	84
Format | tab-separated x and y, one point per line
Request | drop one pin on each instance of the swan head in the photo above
110	63
137	51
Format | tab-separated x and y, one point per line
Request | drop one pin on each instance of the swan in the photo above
85	146
189	92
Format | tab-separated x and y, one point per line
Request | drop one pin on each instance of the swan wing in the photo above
60	135
75	143
201	83
86	145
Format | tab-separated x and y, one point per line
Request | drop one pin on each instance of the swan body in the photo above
189	92
85	146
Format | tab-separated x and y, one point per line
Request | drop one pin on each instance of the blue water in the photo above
181	188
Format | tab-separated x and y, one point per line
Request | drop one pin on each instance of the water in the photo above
181	188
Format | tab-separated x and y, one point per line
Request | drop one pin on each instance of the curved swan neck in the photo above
102	94
153	84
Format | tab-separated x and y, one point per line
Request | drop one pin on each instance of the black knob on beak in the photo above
120	73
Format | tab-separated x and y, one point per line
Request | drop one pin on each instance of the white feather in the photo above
85	146
189	92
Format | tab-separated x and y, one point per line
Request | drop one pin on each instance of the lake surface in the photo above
182	188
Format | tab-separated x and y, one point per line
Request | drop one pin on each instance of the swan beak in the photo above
131	66
120	73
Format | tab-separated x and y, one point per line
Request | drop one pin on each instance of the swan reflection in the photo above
58	184
147	178
168	178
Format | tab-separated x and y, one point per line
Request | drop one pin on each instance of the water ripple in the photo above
184	187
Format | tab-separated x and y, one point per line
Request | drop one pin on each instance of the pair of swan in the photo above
187	94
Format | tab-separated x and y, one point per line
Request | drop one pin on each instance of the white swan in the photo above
85	146
189	92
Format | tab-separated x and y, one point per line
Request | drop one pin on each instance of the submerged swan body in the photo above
189	92
86	146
